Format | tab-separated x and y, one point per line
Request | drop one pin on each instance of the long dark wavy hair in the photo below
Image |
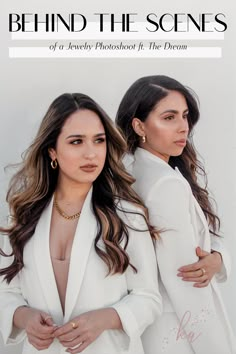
32	187
142	98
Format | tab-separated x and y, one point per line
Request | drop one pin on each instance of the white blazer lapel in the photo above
206	239
44	264
201	216
83	241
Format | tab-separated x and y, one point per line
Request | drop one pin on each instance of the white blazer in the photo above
197	314
134	296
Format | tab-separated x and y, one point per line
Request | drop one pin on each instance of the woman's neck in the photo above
71	193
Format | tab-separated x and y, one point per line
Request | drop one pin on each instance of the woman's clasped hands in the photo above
81	331
74	335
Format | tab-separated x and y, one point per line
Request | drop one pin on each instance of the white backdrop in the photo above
31	84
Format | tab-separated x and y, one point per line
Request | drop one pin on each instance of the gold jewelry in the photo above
63	214
144	139
203	271
74	325
54	164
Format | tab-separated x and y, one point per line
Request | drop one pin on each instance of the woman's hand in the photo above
201	272
77	334
38	326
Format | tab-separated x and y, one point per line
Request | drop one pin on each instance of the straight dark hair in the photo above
139	101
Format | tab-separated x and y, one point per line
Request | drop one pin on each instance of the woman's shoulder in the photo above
161	177
171	189
125	206
130	213
149	168
175	179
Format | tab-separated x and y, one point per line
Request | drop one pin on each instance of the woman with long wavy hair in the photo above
157	115
74	271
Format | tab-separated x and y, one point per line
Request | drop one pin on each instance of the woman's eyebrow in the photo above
100	134
173	111
83	136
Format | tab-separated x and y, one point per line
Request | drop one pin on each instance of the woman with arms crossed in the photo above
78	279
157	115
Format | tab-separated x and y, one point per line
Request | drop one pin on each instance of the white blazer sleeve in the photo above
142	305
169	210
217	244
10	299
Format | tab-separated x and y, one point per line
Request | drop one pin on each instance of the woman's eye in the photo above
169	117
185	116
76	142
100	140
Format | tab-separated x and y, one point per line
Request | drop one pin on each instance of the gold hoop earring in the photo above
144	139
54	164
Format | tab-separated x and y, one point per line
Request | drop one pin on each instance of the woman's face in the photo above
81	148
166	127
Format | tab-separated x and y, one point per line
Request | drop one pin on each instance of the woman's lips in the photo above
88	168
181	142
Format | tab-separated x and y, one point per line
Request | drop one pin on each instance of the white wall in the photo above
31	85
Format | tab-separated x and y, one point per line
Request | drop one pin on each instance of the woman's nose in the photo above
184	125
89	152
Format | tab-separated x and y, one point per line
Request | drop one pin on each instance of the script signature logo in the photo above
182	333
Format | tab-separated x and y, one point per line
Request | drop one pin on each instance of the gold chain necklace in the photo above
63	214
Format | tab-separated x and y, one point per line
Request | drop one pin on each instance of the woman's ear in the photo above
138	126
52	153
